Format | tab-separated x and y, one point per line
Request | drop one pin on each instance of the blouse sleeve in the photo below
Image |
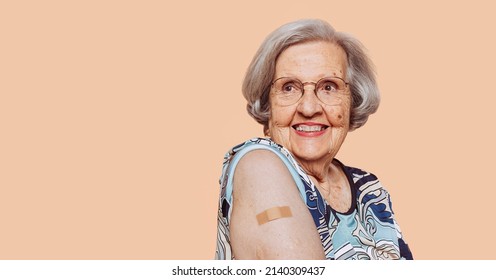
405	252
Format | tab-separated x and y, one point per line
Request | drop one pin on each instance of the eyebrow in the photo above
313	81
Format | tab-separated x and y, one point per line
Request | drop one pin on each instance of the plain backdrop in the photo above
115	117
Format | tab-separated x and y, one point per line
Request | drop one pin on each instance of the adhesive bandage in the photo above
274	214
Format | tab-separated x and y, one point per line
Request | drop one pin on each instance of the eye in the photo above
289	87
329	86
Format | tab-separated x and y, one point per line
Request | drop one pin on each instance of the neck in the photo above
320	170
334	187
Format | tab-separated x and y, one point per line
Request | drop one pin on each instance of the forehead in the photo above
312	60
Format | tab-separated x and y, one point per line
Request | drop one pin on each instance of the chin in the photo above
311	154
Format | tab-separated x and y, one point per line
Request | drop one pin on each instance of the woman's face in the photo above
311	130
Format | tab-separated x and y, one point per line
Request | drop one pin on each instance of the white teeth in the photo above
306	128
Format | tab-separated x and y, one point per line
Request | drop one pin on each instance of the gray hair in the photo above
360	71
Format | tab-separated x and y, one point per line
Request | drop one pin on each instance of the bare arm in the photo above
262	181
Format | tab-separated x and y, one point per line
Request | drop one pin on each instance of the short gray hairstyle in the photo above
360	71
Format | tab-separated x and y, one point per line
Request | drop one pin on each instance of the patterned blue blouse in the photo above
367	231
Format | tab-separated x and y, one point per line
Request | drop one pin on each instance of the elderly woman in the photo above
287	196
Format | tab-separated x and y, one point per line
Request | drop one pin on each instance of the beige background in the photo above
115	116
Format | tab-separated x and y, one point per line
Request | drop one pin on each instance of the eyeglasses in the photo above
329	90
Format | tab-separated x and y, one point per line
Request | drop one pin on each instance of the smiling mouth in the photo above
310	128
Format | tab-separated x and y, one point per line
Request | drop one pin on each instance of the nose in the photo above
309	104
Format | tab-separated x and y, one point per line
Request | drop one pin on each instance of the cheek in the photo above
279	125
338	116
280	118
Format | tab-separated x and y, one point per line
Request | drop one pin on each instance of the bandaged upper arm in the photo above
274	213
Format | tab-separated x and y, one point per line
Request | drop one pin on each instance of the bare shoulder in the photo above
261	182
262	171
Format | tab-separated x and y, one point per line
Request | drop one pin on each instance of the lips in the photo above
310	129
